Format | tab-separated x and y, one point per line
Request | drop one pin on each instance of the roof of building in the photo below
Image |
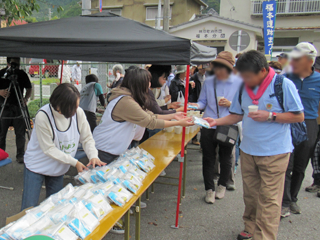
17	22
298	28
215	17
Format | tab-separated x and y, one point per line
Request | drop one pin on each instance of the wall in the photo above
182	10
222	36
242	13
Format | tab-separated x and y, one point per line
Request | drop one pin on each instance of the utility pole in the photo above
158	19
166	15
86	7
50	14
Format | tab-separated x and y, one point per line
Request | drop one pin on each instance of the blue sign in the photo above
269	19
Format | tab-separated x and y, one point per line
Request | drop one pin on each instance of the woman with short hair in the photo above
59	127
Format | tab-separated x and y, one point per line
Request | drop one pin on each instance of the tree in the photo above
20	9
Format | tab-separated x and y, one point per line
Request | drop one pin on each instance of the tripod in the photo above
22	105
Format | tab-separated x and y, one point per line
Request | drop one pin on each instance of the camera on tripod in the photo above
11	72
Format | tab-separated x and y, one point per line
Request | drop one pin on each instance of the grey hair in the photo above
118	67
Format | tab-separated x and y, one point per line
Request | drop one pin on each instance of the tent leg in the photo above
138	218
127	225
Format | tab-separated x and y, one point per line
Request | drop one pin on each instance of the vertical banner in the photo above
269	19
100	5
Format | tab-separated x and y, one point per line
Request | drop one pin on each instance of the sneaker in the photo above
231	187
20	159
163	173
195	142
318	194
244	236
294	208
313	188
221	191
117	230
210	196
285	212
142	205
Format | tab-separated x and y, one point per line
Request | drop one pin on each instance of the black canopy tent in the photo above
103	37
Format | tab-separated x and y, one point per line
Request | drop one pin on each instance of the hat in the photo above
283	55
226	58
304	49
317	63
181	69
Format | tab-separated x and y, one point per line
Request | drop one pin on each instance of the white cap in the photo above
304	49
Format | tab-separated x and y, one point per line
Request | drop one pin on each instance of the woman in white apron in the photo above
126	116
59	127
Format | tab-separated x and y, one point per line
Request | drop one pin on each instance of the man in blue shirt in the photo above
307	82
266	143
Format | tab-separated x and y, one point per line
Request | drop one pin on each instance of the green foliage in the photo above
34	106
31	19
215	4
47	81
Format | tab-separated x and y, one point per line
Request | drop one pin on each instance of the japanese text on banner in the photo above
269	19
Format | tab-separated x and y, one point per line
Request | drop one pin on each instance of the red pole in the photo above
61	71
186	94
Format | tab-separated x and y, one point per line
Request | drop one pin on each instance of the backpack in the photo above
298	130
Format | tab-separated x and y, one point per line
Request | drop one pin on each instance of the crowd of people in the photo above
256	101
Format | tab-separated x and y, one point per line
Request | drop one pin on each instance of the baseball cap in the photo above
283	55
304	49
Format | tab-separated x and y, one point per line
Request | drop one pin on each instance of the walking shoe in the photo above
117	230
313	188
221	191
244	236
20	159
142	205
210	196
285	212
318	193
195	142
294	208
231	187
163	173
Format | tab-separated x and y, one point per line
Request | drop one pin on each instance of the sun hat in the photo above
181	69
304	49
226	58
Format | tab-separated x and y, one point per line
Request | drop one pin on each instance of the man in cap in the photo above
307	82
283	59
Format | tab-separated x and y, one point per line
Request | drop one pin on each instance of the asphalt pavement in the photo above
197	220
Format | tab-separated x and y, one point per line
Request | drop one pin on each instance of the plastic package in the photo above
132	183
98	205
18	227
146	154
61	213
119	195
137	172
66	192
78	228
192	107
201	122
3	234
64	233
37	228
83	177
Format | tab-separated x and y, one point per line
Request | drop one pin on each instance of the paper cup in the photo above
187	130
219	98
253	108
169	129
178	130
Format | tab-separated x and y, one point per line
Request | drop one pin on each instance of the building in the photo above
297	20
146	11
220	32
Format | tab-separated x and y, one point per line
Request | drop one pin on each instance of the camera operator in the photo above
12	109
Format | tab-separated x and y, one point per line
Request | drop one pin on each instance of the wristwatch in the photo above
270	117
274	117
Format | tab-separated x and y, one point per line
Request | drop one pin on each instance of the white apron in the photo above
67	141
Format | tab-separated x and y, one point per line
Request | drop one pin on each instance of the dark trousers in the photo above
209	158
298	163
19	128
106	157
32	187
92	119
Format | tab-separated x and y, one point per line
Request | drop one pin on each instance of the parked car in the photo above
47	70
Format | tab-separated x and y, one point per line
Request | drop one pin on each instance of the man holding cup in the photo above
266	143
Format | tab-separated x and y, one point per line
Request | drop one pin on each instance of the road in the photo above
198	220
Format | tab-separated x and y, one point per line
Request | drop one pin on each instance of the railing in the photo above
289	7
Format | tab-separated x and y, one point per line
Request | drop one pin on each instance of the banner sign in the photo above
269	19
100	6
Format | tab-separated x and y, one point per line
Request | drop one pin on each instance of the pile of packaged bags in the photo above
75	212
